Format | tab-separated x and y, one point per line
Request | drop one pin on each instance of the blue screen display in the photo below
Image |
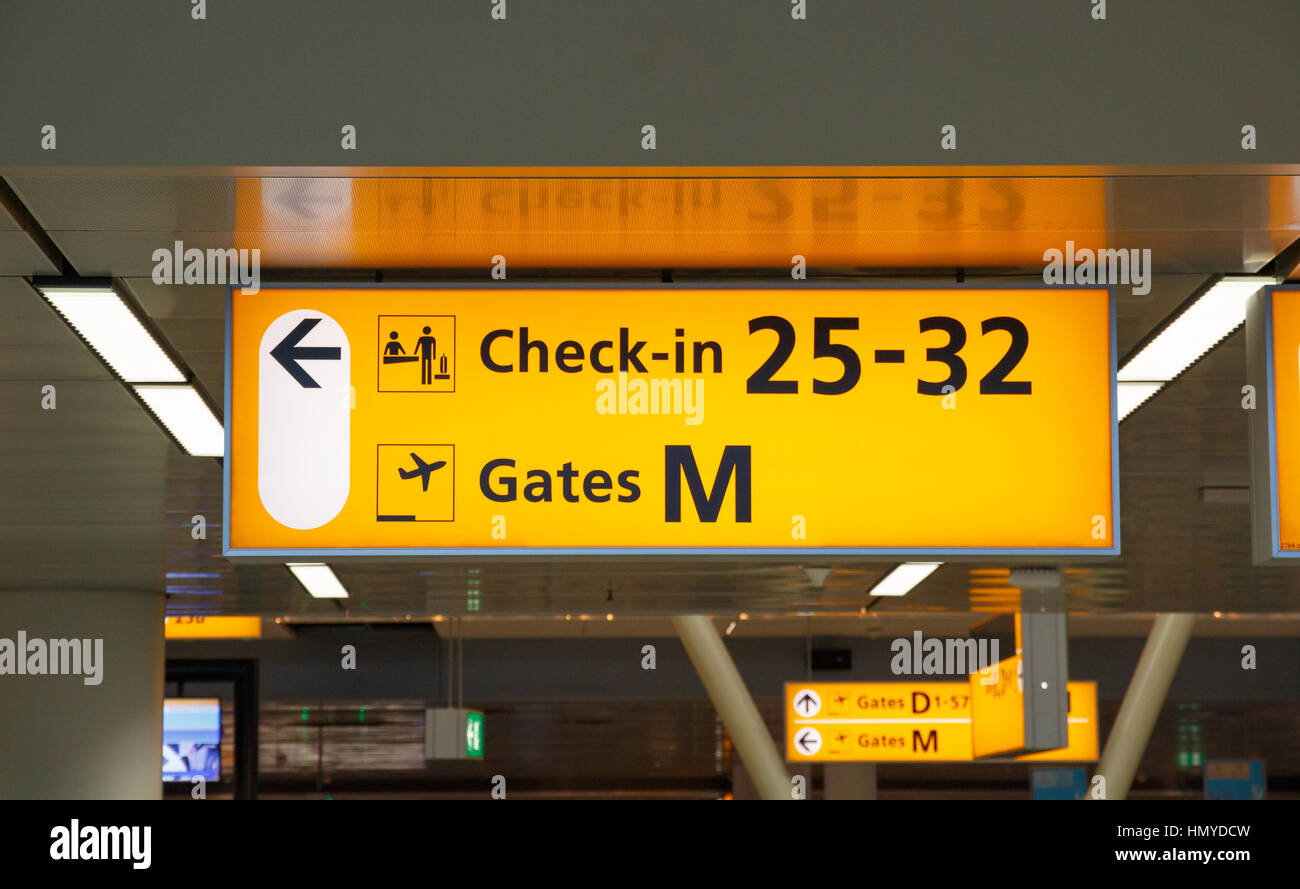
191	739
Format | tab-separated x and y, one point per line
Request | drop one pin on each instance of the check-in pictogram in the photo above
417	353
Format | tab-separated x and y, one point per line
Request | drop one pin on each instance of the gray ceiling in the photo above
92	494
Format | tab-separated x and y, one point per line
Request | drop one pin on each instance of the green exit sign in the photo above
453	733
473	734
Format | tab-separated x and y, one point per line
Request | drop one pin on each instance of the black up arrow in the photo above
804	703
289	353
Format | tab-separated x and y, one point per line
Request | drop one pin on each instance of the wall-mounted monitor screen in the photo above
191	739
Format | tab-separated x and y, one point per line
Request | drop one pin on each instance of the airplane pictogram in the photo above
422	469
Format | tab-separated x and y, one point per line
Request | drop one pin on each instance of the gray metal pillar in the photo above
732	700
1142	702
849	780
1044	656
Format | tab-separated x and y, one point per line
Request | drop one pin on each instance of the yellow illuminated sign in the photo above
212	627
998	701
910	722
999	710
1273	340
672	419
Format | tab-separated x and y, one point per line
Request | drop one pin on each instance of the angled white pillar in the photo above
1142	702
732	700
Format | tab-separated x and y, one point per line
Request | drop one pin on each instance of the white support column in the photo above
1142	702
732	700
62	737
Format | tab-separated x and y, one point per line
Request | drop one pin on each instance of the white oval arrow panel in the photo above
304	417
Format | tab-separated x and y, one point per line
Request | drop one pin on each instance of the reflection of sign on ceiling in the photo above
909	722
644	420
667	218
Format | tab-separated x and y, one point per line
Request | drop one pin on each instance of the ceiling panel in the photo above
35	343
19	254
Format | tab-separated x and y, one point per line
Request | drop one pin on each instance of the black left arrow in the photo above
289	353
805	741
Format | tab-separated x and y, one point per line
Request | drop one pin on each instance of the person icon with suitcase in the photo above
426	347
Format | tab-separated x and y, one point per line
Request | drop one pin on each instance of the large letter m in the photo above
679	461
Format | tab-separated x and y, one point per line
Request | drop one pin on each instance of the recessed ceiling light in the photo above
318	579
187	417
115	333
1198	328
1131	396
902	579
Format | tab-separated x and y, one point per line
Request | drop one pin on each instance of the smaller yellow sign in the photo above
911	722
998	708
877	722
212	627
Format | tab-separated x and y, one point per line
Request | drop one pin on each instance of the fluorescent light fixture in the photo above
1130	396
900	581
187	417
318	579
115	333
1198	329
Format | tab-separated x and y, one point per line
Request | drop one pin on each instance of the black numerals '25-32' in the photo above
761	380
995	382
